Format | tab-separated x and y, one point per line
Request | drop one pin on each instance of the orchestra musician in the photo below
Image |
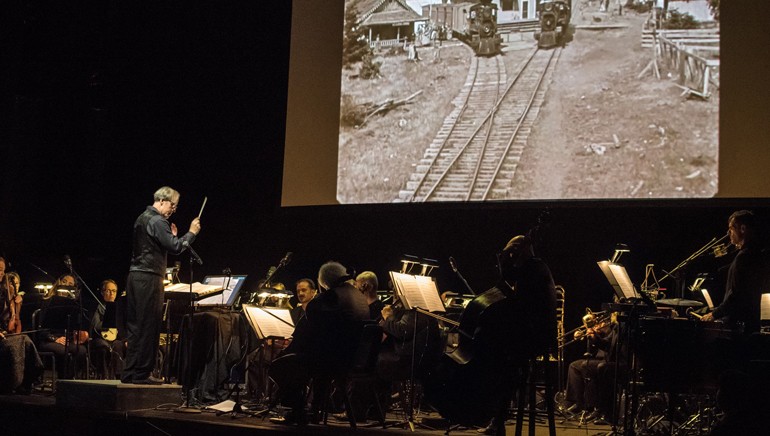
323	343
142	307
747	277
590	380
501	331
20	365
367	283
108	349
304	290
268	350
53	339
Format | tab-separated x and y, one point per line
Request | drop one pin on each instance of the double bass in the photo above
473	383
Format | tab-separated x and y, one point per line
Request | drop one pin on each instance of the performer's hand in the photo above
195	226
707	317
2	336
60	340
173	229
386	312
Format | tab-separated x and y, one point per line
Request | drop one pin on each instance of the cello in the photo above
473	383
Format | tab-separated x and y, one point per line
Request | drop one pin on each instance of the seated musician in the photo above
20	365
268	350
304	291
52	339
588	388
367	283
107	350
322	345
520	328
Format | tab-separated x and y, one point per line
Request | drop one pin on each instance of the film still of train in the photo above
497	100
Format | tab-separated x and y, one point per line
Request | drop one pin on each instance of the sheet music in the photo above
417	291
198	288
224	297
266	323
618	277
764	308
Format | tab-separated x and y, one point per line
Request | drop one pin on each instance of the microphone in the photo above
194	255
452	263
68	262
227	271
286	259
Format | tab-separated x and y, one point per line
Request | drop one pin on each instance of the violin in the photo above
14	303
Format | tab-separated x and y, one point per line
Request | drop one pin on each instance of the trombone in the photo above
590	320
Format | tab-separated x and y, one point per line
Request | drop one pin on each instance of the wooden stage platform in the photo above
109	408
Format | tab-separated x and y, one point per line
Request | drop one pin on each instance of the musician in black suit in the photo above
323	342
305	290
142	307
747	277
367	283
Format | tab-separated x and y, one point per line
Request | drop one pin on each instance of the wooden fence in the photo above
692	54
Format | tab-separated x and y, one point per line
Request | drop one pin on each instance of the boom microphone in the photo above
452	263
286	259
68	262
195	256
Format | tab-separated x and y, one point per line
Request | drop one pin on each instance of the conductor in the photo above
142	305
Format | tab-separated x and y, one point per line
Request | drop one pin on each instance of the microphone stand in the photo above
185	407
80	280
457	271
699	252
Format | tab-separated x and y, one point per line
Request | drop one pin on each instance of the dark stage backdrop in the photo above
110	100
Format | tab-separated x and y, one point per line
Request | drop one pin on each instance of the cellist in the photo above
500	330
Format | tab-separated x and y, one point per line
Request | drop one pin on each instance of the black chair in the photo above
44	354
526	391
362	372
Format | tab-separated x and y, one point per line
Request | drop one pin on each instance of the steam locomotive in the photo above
554	22
473	23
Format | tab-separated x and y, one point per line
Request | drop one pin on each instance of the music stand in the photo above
419	294
64	314
268	324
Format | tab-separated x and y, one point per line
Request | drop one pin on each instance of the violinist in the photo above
586	394
367	283
20	365
394	361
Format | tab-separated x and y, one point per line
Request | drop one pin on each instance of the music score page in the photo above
417	291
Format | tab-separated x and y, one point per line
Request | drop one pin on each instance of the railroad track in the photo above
476	152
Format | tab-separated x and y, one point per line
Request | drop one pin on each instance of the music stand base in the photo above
187	409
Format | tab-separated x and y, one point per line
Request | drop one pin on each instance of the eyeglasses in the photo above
173	205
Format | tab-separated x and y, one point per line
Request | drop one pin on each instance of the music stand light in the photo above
619	250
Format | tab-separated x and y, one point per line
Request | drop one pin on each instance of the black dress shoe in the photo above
148	381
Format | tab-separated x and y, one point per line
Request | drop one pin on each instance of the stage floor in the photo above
38	414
